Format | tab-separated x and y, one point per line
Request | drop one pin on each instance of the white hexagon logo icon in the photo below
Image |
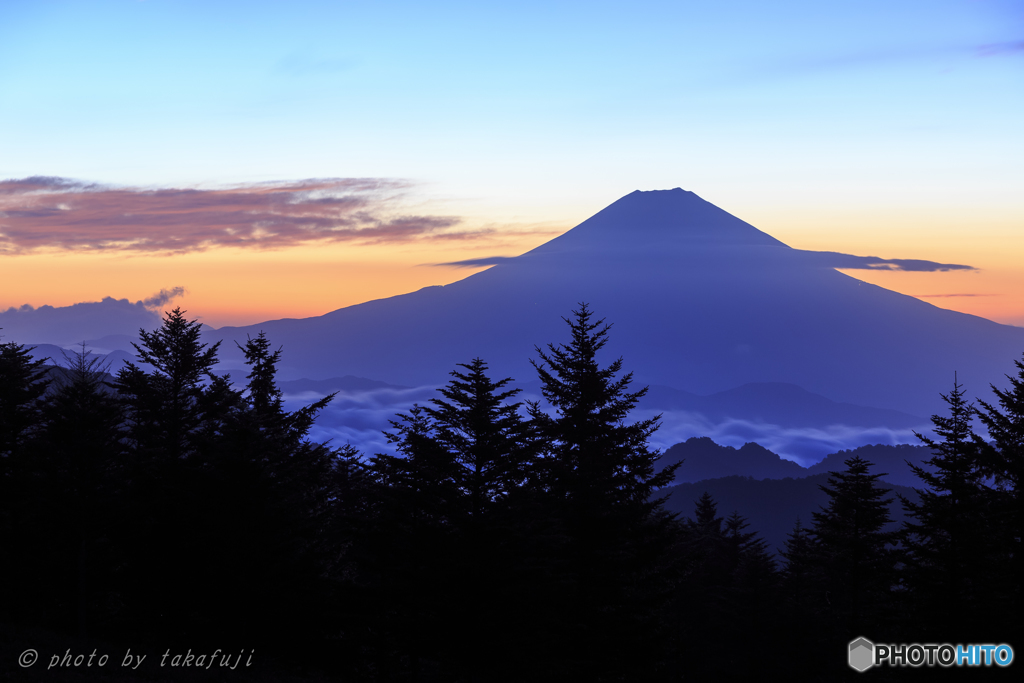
862	654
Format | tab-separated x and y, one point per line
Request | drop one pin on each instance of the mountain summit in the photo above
658	219
699	300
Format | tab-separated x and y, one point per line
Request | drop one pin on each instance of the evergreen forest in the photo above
172	506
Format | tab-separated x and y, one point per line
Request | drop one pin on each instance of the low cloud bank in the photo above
359	419
85	321
803	445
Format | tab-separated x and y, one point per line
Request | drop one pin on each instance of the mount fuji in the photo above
699	300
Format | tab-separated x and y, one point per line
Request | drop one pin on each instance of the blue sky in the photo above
826	124
185	92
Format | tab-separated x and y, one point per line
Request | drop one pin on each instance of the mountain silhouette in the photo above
702	458
699	299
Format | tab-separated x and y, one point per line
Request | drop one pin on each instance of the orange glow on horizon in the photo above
227	287
235	286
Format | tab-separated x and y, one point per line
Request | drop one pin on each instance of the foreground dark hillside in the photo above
164	511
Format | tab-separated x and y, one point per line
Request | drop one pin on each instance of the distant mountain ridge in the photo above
703	459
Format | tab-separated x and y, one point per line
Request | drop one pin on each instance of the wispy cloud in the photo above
163	297
997	49
833	259
944	296
829	64
60	213
477	262
824	259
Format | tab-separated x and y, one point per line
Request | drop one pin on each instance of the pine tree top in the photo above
858	508
1004	457
175	352
596	456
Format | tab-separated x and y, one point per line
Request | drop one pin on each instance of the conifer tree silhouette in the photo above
457	489
79	460
286	506
950	535
23	382
857	562
729	590
484	434
799	576
23	385
596	460
169	408
1003	460
600	477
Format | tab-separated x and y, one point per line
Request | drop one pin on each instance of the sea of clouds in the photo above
361	418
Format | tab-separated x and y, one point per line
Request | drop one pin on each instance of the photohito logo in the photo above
863	654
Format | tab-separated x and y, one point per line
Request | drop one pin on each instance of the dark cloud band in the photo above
47	212
477	262
832	259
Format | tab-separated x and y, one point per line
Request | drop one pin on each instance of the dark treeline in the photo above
502	540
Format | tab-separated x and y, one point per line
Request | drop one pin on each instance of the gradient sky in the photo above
891	129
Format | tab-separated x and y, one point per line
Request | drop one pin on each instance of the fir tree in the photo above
484	434
23	382
78	462
263	400
170	408
854	553
285	502
755	567
193	500
596	460
729	591
455	494
950	535
263	395
23	385
711	561
752	596
799	575
1003	460
600	476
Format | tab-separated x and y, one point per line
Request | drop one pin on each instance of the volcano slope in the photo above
699	300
